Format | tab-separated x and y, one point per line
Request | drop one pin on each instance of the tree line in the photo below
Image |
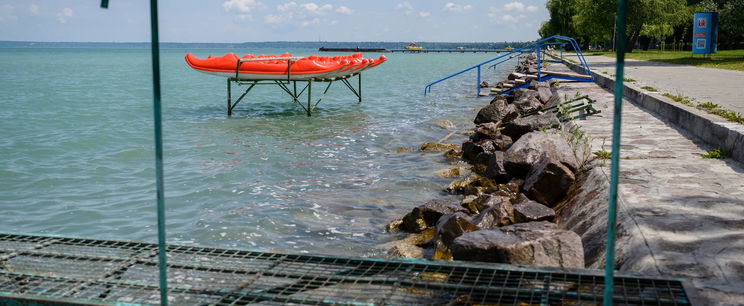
647	20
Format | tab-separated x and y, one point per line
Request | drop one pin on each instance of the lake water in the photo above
76	150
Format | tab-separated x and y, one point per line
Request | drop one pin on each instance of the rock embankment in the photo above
523	165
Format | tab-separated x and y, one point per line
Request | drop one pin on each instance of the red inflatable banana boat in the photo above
284	66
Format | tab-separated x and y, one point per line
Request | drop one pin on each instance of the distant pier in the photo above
324	49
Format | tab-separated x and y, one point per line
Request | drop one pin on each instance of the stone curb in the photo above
713	130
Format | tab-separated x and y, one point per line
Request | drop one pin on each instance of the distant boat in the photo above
413	47
509	48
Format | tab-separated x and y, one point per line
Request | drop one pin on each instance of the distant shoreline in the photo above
268	44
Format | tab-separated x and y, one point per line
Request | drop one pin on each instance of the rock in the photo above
529	211
532	70
445	124
483	158
544	93
528	104
499	212
437	147
499	98
453	154
409	246
426	215
451	226
523	125
499	111
524	93
533	243
495	169
472	185
548	181
486	131
404	150
525	152
393	226
471	149
484	84
483	202
502	142
453	172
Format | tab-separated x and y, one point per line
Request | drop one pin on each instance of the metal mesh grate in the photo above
104	271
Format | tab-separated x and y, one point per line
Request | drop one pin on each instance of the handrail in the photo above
536	45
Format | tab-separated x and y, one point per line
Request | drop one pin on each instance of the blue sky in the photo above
263	20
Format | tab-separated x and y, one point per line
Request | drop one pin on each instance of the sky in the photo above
262	20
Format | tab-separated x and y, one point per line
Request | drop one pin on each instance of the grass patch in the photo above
709	107
649	88
628	80
602	154
680	99
716	154
724	59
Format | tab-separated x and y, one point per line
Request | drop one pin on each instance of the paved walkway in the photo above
723	87
690	210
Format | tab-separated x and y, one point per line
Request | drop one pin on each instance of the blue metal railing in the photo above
536	46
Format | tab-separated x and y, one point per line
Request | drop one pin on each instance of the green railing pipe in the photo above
157	114
615	167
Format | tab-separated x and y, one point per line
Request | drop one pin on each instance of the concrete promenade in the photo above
723	87
688	210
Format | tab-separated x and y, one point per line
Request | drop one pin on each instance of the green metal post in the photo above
229	98
309	97
360	87
615	168
155	45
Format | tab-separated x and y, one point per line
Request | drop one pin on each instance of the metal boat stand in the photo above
291	88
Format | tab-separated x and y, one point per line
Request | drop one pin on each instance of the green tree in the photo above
654	18
561	15
730	20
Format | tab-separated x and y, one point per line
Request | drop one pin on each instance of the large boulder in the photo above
495	169
529	211
426	215
499	212
543	92
528	104
451	226
523	125
533	243
548	181
524	93
498	111
525	152
471	149
488	130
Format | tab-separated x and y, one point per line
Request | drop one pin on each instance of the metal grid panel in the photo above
104	271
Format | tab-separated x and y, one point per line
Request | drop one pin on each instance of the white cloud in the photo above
64	15
514	6
6	13
454	7
344	10
511	19
424	14
305	14
406	7
34	9
532	8
242	7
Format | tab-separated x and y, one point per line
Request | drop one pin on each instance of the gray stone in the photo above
471	149
523	125
533	243
525	152
488	130
524	93
499	98
499	111
495	169
548	181
426	215
529	211
527	104
451	226
499	212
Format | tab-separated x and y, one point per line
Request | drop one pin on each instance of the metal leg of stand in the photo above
229	97
360	88
309	98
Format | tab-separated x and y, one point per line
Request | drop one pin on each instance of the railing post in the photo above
477	85
539	50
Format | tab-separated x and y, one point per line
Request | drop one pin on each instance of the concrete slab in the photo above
688	210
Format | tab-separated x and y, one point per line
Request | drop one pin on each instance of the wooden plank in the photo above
567	74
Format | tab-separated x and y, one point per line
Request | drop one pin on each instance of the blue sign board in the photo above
704	33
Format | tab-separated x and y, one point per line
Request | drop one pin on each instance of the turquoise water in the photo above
76	152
